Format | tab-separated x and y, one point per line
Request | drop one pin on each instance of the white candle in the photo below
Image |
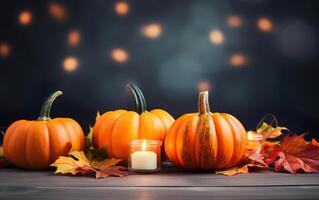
145	160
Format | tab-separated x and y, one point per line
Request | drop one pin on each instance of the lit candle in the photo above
254	140
144	160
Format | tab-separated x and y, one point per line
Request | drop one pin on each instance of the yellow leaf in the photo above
105	163
89	136
70	165
1	152
98	115
233	171
270	132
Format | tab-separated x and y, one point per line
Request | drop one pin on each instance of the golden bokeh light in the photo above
237	60
234	21
204	86
57	11
122	8
151	31
119	55
5	50
264	24
70	64
216	37
74	38
25	18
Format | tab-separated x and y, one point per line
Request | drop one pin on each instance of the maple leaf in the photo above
78	163
295	153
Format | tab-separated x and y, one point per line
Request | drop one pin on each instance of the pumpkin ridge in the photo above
58	120
7	136
161	119
111	133
97	127
182	122
234	158
27	133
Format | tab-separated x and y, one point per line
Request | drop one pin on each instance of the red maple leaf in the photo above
294	153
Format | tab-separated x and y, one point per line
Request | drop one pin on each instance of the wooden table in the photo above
170	183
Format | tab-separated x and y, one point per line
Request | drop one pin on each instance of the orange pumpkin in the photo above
206	140
114	129
38	143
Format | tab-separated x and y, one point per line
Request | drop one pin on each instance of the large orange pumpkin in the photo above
38	143
114	129
206	140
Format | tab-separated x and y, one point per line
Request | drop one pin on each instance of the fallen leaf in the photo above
270	132
1	152
295	153
78	163
233	171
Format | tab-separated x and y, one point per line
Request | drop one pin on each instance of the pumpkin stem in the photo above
140	103
203	103
46	107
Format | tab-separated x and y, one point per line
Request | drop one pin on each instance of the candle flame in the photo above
144	145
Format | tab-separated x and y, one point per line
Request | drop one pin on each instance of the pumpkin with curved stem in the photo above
206	140
38	143
114	129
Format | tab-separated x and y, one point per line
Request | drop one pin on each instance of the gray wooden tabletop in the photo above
170	183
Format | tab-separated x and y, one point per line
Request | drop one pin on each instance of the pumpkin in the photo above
114	129
205	140
38	143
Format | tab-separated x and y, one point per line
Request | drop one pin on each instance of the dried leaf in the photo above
295	153
233	171
78	163
270	132
1	152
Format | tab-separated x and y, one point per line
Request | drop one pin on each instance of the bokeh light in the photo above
204	86
74	38
122	8
25	18
234	21
57	11
237	60
216	37
5	49
151	31
70	64
119	55
265	24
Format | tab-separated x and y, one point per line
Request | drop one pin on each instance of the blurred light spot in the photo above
122	8
237	60
216	37
70	64
204	86
264	24
57	11
5	50
74	38
151	30
25	18
234	21
298	41
119	55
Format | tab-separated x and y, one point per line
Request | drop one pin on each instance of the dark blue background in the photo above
280	76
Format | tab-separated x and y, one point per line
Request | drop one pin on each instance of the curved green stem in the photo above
140	103
203	103
46	107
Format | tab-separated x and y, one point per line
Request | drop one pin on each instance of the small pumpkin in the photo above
114	129
38	143
206	140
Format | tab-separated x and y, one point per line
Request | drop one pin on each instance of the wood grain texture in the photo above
169	183
160	193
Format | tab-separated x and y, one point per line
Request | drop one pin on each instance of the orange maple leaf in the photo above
294	154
